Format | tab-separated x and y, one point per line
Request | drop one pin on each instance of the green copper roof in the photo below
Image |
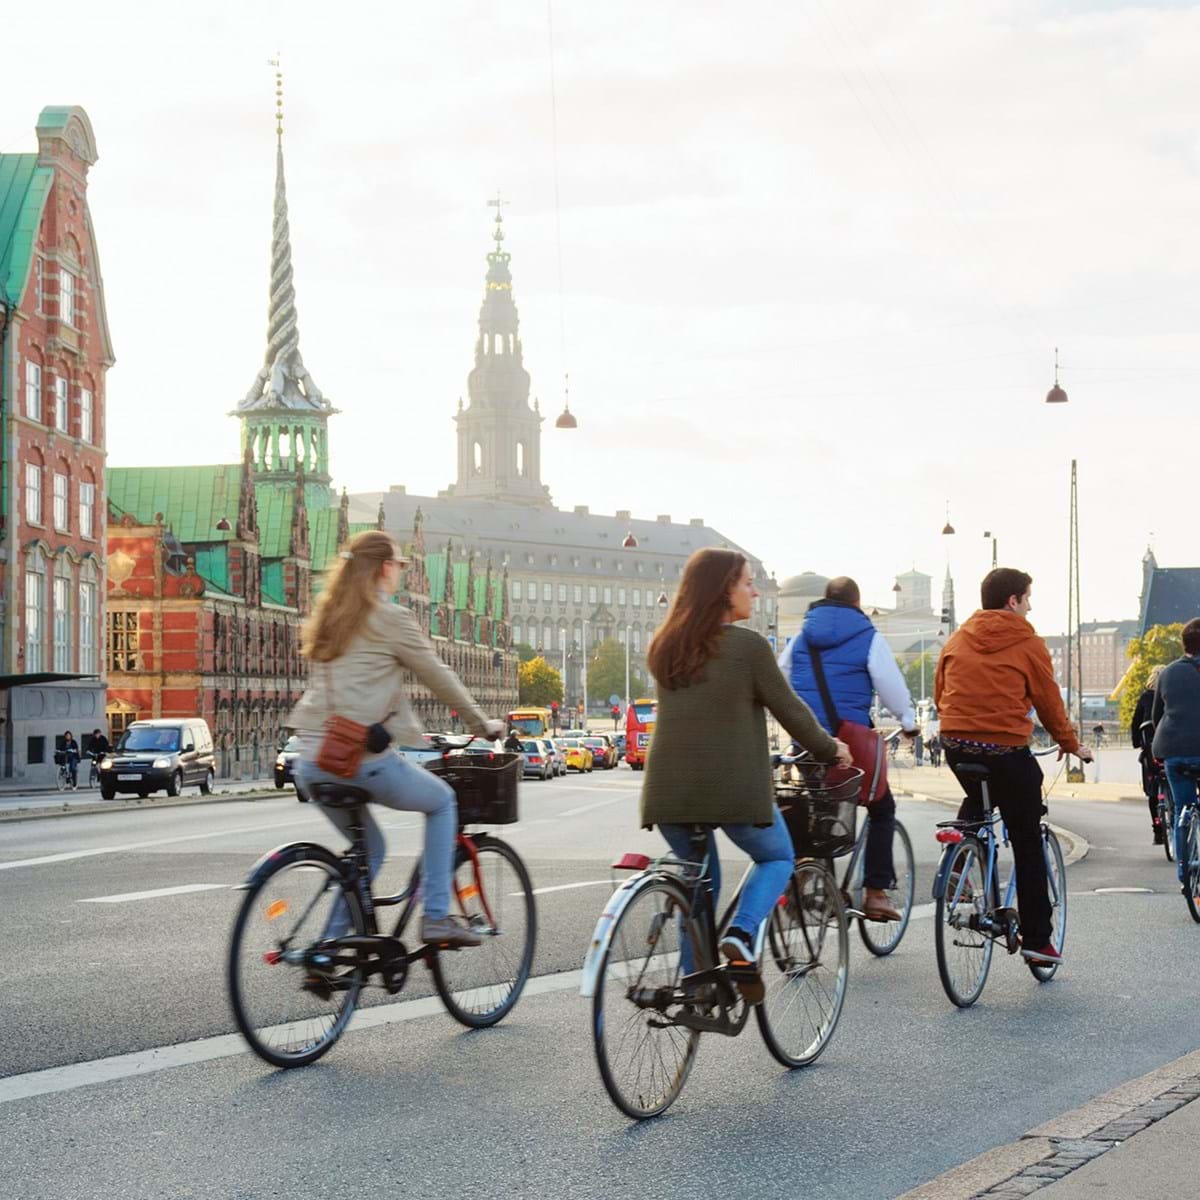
435	568
24	187
191	499
275	505
212	565
322	537
271	576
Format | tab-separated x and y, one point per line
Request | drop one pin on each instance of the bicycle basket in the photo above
60	758
486	789
820	809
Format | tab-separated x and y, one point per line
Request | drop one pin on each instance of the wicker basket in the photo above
820	807
486	788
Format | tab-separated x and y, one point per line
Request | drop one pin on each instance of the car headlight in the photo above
106	764
281	761
161	764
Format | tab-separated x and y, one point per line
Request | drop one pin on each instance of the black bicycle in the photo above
654	974
293	990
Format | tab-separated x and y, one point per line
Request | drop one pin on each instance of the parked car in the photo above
602	749
538	763
578	756
285	760
163	755
558	760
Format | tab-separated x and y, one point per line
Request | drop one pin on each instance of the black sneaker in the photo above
738	947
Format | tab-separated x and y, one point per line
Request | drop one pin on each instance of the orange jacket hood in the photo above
994	630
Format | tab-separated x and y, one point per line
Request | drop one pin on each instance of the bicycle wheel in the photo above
882	937
964	954
480	984
61	779
1166	809
805	964
1056	877
1191	861
643	1056
282	917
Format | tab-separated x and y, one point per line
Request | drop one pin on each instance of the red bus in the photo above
639	727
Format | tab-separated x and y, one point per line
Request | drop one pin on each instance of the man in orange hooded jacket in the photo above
992	672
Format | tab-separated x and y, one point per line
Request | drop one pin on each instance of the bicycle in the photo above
654	975
1166	810
879	937
1189	844
293	991
969	918
62	773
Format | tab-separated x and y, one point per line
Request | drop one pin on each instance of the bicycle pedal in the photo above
857	914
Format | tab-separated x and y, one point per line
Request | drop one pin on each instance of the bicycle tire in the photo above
963	987
469	981
1191	864
644	960
61	779
305	1032
796	966
1166	809
1056	878
882	937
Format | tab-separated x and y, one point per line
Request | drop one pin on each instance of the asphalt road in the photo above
909	1086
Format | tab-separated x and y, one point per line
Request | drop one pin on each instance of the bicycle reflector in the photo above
949	837
632	862
276	909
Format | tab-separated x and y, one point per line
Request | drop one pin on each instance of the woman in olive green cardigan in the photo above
709	762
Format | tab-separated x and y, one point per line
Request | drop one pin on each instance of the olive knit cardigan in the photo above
709	761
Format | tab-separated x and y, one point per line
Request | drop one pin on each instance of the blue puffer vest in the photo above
843	634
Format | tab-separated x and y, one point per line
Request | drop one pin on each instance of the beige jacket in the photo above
368	681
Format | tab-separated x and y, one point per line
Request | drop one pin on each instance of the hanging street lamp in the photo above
1056	395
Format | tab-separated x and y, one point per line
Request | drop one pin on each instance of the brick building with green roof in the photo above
212	568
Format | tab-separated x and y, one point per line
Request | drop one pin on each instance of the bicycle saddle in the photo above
972	771
338	795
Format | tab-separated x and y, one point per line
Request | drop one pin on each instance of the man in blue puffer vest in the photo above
857	662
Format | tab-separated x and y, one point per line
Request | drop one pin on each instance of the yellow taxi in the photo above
578	756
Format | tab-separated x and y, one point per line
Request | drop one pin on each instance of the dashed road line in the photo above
179	890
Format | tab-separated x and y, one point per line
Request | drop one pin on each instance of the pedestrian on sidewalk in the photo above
839	652
1176	717
992	672
918	745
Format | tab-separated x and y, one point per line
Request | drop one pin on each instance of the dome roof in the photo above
808	583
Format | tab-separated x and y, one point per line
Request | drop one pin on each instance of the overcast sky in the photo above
815	256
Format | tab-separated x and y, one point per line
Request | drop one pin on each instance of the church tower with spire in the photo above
499	435
284	416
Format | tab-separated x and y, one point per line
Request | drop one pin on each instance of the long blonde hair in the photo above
351	591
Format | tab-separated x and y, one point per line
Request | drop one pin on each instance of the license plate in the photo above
124	778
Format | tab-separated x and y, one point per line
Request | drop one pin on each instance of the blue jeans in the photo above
396	783
1184	794
774	861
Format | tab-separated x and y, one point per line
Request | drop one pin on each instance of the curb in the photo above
135	805
1054	1149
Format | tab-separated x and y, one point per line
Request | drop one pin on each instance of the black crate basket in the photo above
820	808
486	788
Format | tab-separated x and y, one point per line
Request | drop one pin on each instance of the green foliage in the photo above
525	652
606	673
912	673
1159	645
539	683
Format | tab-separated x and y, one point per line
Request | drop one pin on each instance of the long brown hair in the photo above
688	637
351	590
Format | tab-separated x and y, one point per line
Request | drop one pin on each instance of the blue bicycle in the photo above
969	915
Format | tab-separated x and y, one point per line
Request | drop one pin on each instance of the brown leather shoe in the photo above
877	906
447	931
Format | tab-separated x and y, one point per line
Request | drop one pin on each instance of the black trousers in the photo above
1150	786
1015	788
879	871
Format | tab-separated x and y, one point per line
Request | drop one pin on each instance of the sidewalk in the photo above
938	783
27	803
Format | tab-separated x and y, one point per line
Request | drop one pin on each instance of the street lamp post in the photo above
627	634
583	677
989	534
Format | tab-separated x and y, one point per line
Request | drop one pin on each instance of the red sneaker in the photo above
1047	956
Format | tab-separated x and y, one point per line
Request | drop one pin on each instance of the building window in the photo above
620	597
33	391
562	593
33	493
62	623
637	641
636	597
86	414
122	641
591	593
66	296
578	593
62	411
35	602
621	635
61	489
516	589
87	628
87	508
608	595
518	629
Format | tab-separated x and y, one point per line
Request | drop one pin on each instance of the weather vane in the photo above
498	203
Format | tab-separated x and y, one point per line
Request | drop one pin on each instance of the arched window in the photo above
64	622
35	611
518	629
520	458
498	343
547	635
478	454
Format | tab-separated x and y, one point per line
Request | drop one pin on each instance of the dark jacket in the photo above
1176	712
1141	714
842	634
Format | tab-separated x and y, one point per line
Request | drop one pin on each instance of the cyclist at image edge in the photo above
857	662
712	673
1176	717
992	672
1141	733
359	646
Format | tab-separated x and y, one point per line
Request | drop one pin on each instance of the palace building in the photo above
211	569
575	578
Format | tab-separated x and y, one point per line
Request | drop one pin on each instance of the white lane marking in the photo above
922	910
575	812
566	887
182	889
230	1045
68	855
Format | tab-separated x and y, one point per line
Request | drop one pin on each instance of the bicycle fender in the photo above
943	870
602	935
287	852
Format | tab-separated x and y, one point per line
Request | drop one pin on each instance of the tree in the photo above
1156	647
912	673
606	673
539	683
525	652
